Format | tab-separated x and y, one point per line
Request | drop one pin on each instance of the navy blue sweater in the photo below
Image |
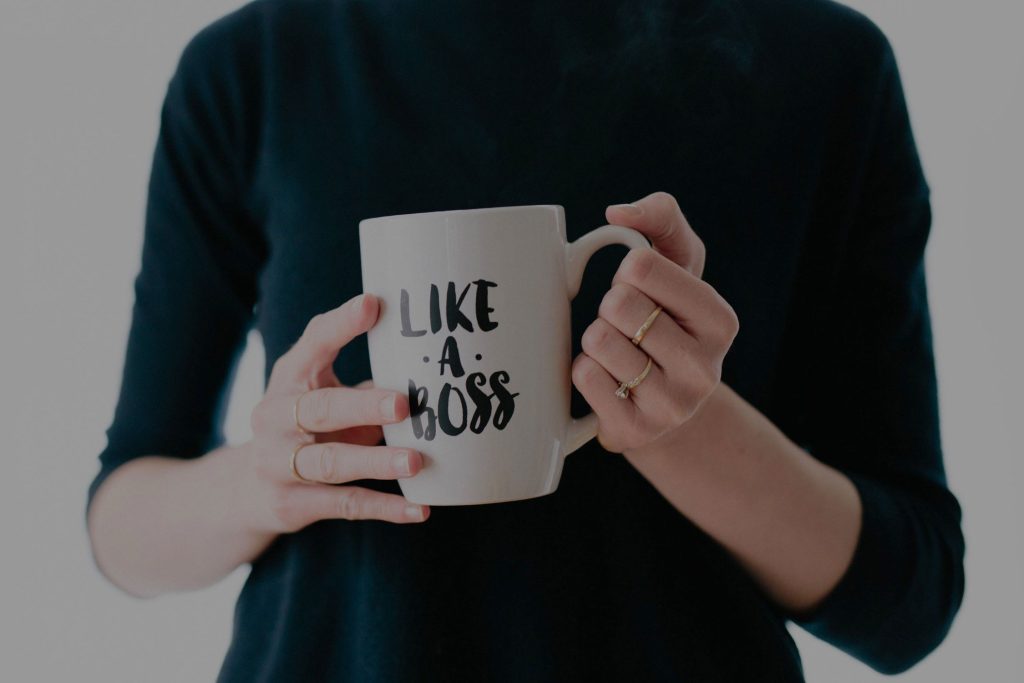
781	128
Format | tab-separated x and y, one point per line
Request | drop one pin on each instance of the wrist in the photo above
682	441
229	473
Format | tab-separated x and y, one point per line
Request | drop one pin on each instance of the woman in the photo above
788	471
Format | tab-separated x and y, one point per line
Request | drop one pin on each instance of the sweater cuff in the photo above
854	614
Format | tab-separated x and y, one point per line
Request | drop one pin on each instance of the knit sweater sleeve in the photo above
872	411
196	288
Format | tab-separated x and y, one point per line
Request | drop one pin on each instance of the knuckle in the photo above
732	323
328	464
284	508
583	370
615	303
595	338
707	290
700	256
700	251
348	505
664	197
727	323
320	404
638	264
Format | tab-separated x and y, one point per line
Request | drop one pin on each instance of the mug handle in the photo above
577	254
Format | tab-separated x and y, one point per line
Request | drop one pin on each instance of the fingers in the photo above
663	398
337	463
323	337
619	420
332	408
683	347
686	367
329	409
691	301
366	435
623	361
300	505
625	308
661	220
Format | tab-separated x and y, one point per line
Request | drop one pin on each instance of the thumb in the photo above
660	219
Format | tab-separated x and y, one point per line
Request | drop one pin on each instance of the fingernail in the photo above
630	209
402	464
387	407
414	511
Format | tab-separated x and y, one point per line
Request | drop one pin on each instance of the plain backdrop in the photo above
81	82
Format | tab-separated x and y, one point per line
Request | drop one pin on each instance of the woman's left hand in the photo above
687	341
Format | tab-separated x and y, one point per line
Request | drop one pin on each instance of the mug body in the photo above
475	327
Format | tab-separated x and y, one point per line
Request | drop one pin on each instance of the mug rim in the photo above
484	209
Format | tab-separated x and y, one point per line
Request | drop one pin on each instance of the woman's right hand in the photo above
343	431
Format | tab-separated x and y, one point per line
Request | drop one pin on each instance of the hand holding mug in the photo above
686	341
312	435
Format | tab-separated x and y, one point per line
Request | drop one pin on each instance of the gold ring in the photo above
295	414
291	464
642	332
624	387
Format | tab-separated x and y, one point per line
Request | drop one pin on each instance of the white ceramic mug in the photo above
475	326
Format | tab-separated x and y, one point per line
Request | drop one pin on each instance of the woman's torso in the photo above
364	109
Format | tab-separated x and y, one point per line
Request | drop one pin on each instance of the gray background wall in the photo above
80	86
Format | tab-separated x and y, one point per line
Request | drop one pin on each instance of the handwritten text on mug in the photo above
449	317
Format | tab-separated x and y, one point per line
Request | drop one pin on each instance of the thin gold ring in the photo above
642	332
624	387
295	414
291	464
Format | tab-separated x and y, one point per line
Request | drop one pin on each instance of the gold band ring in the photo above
295	414
624	387
291	464
642	332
